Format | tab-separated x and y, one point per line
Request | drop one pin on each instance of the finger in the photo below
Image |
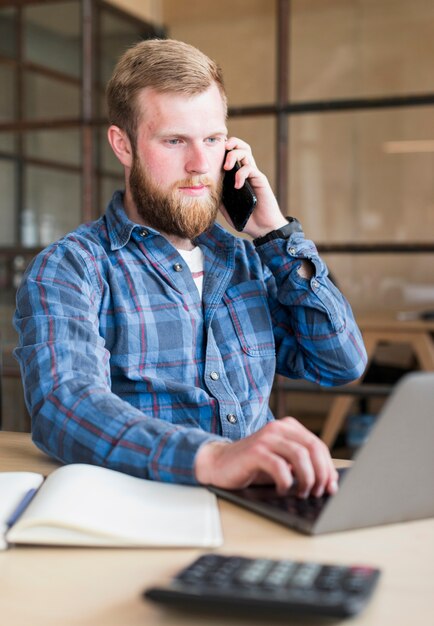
273	465
319	455
237	151
245	172
325	472
333	483
301	464
322	463
237	156
235	143
280	473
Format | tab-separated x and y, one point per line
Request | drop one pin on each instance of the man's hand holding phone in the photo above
248	200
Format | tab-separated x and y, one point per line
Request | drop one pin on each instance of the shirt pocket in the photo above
248	309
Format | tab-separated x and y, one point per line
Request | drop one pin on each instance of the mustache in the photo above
196	181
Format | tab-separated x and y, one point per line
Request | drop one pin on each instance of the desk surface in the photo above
102	587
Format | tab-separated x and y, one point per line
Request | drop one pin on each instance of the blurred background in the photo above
336	98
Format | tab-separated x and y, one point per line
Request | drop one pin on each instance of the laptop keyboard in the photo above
308	509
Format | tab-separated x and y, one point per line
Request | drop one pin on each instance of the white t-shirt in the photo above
194	259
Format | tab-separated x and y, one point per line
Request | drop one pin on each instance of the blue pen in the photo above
20	508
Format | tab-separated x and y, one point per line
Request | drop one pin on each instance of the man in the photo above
149	339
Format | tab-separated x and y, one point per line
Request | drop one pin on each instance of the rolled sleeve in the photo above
316	335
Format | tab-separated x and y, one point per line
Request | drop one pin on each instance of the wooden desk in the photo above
377	329
102	587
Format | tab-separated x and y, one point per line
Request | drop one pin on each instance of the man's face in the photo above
176	176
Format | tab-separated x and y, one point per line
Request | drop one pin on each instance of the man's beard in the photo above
171	212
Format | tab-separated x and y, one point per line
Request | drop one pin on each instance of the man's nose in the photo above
197	161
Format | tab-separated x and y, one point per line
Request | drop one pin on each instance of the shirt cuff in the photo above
174	455
282	256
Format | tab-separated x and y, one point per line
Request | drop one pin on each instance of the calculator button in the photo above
357	579
280	574
255	572
224	574
305	575
330	578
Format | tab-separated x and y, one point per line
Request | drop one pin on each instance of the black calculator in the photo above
268	588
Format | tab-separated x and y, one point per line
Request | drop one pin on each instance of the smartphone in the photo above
239	203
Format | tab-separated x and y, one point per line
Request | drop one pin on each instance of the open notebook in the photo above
86	505
390	481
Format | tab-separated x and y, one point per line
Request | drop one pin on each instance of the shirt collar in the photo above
120	228
119	225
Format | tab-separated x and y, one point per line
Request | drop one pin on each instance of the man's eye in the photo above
173	142
212	139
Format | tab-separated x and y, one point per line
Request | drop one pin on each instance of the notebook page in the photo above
90	505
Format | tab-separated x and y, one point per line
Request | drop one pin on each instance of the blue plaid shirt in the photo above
125	366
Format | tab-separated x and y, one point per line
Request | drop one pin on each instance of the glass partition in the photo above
8	186
384	282
7	93
8	32
360	48
363	176
46	98
51	204
240	36
60	146
8	143
55	156
116	35
52	36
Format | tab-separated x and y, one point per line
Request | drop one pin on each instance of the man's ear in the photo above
121	145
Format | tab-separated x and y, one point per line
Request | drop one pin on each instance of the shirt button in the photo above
143	233
214	375
292	251
232	419
315	284
178	267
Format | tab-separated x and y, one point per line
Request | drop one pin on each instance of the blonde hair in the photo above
166	65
